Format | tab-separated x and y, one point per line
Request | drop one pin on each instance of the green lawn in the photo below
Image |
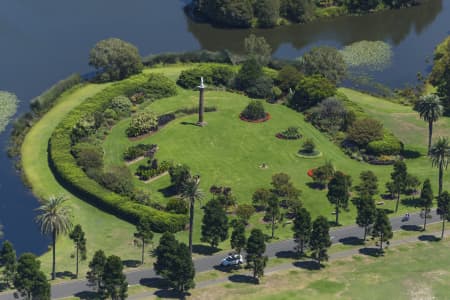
414	271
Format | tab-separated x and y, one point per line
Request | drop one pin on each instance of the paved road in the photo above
339	235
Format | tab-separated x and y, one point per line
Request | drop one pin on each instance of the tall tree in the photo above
439	154
97	268
144	233
302	229
55	219
426	198
430	110
368	184
339	192
366	212
174	263
215	223
320	239
267	12
444	209
30	281
113	283
192	193
258	48
255	249
78	238
399	178
260	198
238	239
273	212
8	262
382	228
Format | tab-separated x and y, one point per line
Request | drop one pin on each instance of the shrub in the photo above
121	105
88	155
166	118
310	91
389	145
179	175
261	88
158	86
152	169
325	61
142	123
85	127
291	133
75	180
308	146
177	205
329	115
364	131
215	74
139	150
250	70
254	111
118	180
288	78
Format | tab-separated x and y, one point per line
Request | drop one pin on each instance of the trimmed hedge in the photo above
73	178
215	74
389	145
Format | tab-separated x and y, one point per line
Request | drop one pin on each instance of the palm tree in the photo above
439	154
191	193
430	110
55	219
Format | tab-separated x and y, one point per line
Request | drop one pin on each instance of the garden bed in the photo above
314	154
267	118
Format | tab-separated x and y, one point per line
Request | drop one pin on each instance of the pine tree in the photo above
426	199
366	212
30	281
368	185
320	239
144	233
256	246
238	239
97	268
398	177
273	212
8	262
215	223
77	236
382	228
302	229
113	283
444	209
338	192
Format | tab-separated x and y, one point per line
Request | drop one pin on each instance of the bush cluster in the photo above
152	169
74	179
389	145
139	150
213	74
158	86
199	56
142	123
254	111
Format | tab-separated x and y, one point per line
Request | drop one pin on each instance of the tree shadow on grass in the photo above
239	278
310	265
65	274
374	252
131	263
226	269
171	294
428	238
287	254
87	295
168	191
315	186
411	228
190	123
411	202
352	240
155	282
204	249
409	153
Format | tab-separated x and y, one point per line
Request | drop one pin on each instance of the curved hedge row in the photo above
73	178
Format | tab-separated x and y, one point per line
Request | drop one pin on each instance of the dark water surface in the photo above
44	41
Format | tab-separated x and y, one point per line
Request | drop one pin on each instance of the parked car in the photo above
232	260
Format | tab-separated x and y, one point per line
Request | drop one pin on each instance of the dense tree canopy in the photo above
325	61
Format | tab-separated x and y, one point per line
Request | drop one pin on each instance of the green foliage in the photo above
196	56
260	198
399	176
226	13
30	281
8	262
310	91
139	150
152	169
97	268
364	131
174	263
257	47
244	212
288	78
323	174
320	239
339	192
273	212
88	155
366	212
389	145
117	179
113	284
329	116
302	229
78	238
144	233
441	73
252	80
121	105
300	11
115	59
158	86
368	185
254	111
382	227
267	12
141	123
426	199
179	175
371	55
291	133
308	146
214	223
238	240
443	204
176	205
255	249
8	107
213	74
325	61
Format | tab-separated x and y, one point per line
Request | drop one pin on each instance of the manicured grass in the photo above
413	271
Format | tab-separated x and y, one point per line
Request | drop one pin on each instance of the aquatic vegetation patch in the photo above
8	107
373	55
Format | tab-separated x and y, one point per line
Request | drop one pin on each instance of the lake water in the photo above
44	41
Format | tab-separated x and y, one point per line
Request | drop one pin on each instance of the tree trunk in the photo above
143	250
441	175
381	242
302	243
191	224
425	220
443	227
365	233
337	215
273	226
398	201
54	255
76	273
430	134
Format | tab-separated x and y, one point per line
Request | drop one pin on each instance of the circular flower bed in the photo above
266	118
290	134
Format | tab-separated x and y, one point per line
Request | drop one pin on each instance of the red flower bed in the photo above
267	118
310	172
